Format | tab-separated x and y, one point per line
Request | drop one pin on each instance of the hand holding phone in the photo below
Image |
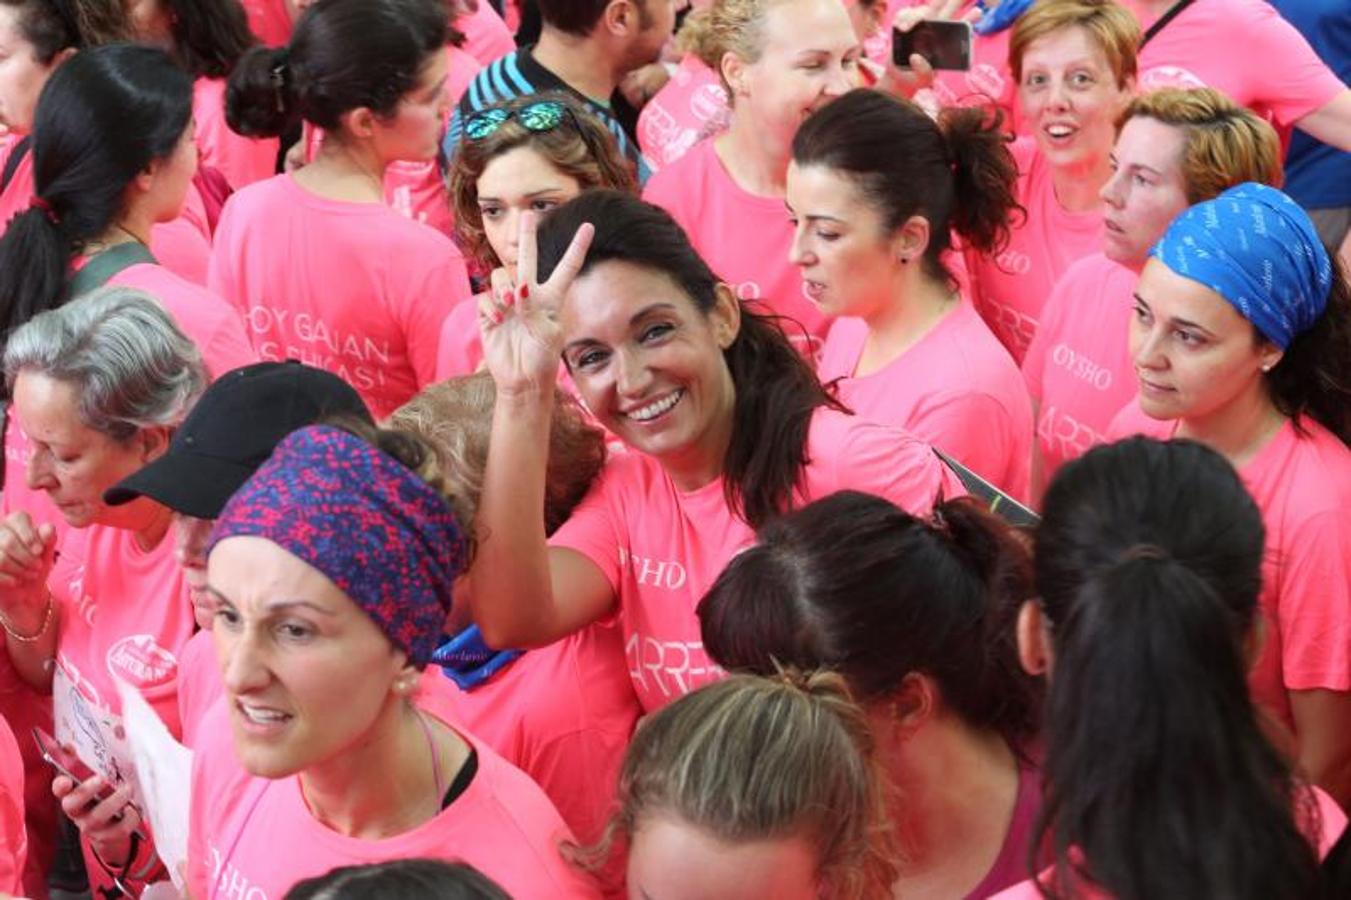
943	44
102	811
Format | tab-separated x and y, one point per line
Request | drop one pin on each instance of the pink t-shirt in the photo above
22	707
269	20
353	288
1079	365
460	351
1322	834
502	824
241	160
691	107
18	195
1224	44
745	239
1011	289
199	683
1302	484
661	548
1010	866
13	836
955	388
563	714
486	36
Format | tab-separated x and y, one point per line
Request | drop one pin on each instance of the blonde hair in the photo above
455	418
1226	144
750	758
1113	28
737	27
581	148
696	36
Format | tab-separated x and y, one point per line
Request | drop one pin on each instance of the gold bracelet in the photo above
29	639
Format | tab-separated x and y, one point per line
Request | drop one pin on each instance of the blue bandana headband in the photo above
1256	248
375	529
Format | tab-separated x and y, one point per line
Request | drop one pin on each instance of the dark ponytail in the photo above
1313	377
344	54
209	36
777	392
957	173
855	584
103	116
1159	781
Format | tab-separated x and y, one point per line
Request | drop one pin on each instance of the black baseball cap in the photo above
232	431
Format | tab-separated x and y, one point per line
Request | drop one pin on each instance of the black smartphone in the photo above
945	44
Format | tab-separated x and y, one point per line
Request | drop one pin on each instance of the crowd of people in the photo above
675	450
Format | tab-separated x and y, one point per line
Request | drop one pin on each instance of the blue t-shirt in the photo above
1316	175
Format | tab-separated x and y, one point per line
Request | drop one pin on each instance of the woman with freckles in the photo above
1241	340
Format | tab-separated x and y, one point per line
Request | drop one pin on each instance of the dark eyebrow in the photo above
813	217
633	320
277	606
1174	320
531	195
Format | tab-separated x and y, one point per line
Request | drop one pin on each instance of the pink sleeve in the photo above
1315	604
220	279
460	351
428	306
975	430
13	836
1296	82
229	347
183	246
894	464
594	528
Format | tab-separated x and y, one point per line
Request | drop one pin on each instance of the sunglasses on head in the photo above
542	115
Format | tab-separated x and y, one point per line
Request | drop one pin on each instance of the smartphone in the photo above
945	44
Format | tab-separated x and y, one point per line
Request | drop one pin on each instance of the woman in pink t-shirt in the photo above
1241	340
321	268
1176	147
98	386
917	615
1074	61
526	155
727	426
692	105
781	59
207	38
701	817
1160	778
876	192
563	713
333	569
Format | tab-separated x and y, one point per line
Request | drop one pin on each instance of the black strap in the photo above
1173	12
100	269
15	157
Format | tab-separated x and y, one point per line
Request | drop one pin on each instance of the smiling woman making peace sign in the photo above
727	424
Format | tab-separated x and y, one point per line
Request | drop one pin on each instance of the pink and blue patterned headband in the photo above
375	529
1256	248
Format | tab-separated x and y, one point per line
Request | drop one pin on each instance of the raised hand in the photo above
519	319
27	552
908	81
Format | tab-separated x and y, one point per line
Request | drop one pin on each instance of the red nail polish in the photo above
525	291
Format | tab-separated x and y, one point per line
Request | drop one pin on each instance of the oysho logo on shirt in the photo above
1082	367
230	883
141	662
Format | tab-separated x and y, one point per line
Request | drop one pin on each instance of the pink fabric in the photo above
485	34
460	351
956	388
22	708
563	714
269	20
184	245
1079	365
13	837
212	324
199	684
1224	44
1011	289
18	196
353	288
1010	866
502	824
692	106
1302	484
745	239
1323	834
241	160
661	548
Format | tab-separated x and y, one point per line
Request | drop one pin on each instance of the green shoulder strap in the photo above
101	268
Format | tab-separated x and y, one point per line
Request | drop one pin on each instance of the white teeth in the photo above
1059	130
652	410
262	716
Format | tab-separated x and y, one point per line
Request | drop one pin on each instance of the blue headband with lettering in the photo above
1256	248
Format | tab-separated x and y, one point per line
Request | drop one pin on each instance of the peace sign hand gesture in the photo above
520	320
